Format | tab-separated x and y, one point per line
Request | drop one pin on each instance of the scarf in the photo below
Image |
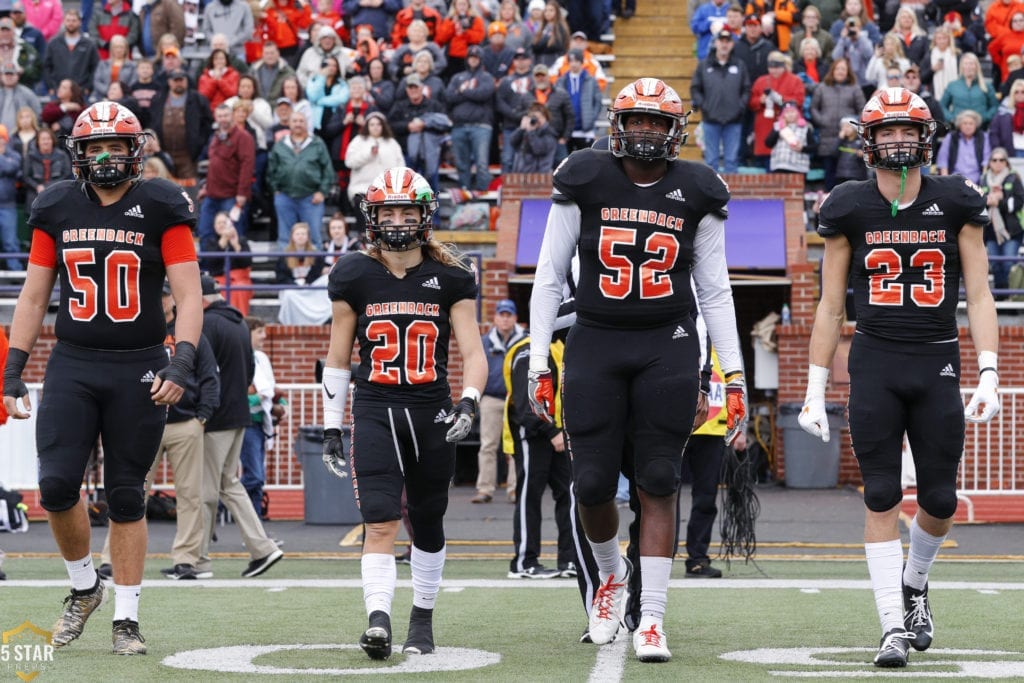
1018	118
998	223
811	68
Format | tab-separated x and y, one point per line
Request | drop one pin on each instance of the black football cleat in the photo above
917	617
376	639
894	649
420	640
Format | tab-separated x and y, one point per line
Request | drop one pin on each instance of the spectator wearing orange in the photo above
998	15
326	15
519	34
284	20
219	80
497	55
578	41
417	10
417	41
1009	42
461	28
785	13
367	48
767	96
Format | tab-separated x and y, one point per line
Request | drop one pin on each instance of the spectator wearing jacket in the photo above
810	20
378	15
535	142
562	117
45	15
837	96
283	20
232	156
709	16
14	96
1005	198
578	41
403	59
17	50
462	28
497	56
964	151
26	31
345	125
234	19
470	99
854	45
720	89
227	240
10	175
586	101
45	163
219	80
271	71
418	10
423	66
182	119
325	44
519	34
551	38
752	48
408	118
371	153
114	18
767	96
158	18
511	100
972	91
327	92
790	141
301	175
118	66
70	55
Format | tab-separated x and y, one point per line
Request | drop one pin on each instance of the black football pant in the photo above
538	466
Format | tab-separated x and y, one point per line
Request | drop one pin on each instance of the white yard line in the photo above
611	661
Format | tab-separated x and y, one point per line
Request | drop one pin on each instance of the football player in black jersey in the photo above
110	238
902	242
401	300
642	221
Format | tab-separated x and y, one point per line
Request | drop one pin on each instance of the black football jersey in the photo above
403	327
110	262
636	243
905	270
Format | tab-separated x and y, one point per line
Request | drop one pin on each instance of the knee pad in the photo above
126	503
658	476
881	494
58	495
940	503
592	489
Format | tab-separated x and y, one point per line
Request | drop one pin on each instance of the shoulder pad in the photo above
577	171
841	202
178	206
713	188
346	271
53	196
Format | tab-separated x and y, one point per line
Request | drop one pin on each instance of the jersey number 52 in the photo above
888	266
655	282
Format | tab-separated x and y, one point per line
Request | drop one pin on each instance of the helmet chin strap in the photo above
895	206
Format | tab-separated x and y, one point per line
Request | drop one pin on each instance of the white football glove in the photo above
984	403
814	420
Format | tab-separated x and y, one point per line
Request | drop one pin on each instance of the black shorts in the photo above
89	393
400	446
906	387
640	384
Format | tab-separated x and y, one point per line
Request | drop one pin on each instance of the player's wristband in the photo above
16	360
988	360
335	394
473	393
817	378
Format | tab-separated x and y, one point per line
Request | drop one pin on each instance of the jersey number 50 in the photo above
120	285
886	291
389	347
655	282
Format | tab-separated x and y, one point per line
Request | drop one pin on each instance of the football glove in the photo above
462	416
813	419
334	453
14	386
735	405
541	391
182	365
984	403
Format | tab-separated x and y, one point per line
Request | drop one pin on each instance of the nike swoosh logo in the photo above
329	394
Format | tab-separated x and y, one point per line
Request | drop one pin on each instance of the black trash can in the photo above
328	499
810	462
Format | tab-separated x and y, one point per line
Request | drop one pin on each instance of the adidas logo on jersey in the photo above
677	195
432	283
134	212
148	378
948	371
932	210
679	333
442	416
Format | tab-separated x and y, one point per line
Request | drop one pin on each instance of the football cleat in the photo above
650	643
567	570
537	571
894	649
77	608
127	639
917	618
376	640
420	640
606	610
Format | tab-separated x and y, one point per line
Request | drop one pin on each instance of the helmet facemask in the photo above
396	236
647	145
105	170
895	156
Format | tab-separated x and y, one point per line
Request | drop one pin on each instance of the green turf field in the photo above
761	619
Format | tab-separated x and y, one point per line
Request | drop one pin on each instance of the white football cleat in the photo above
609	603
650	643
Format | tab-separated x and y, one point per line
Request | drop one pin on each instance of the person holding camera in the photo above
767	96
854	45
854	9
535	142
461	28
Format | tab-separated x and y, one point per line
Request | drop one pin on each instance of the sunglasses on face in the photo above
999	159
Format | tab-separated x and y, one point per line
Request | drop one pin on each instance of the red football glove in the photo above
542	394
735	406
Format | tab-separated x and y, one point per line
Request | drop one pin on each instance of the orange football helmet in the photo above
399	186
647	96
896	106
101	121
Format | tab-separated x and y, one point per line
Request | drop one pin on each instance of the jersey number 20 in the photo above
389	347
655	282
120	285
886	291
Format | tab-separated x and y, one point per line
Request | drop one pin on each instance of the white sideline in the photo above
691	584
611	660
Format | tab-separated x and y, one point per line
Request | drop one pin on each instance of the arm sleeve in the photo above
43	251
714	294
561	237
177	245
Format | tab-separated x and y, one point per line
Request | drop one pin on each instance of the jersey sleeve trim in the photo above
44	250
177	245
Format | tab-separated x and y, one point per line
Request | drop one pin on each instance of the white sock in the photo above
379	576
923	549
608	557
426	576
126	602
654	576
82	573
885	562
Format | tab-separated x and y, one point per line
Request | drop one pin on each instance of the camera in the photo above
323	64
534	121
467	22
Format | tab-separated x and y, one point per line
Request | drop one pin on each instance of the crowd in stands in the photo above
780	86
